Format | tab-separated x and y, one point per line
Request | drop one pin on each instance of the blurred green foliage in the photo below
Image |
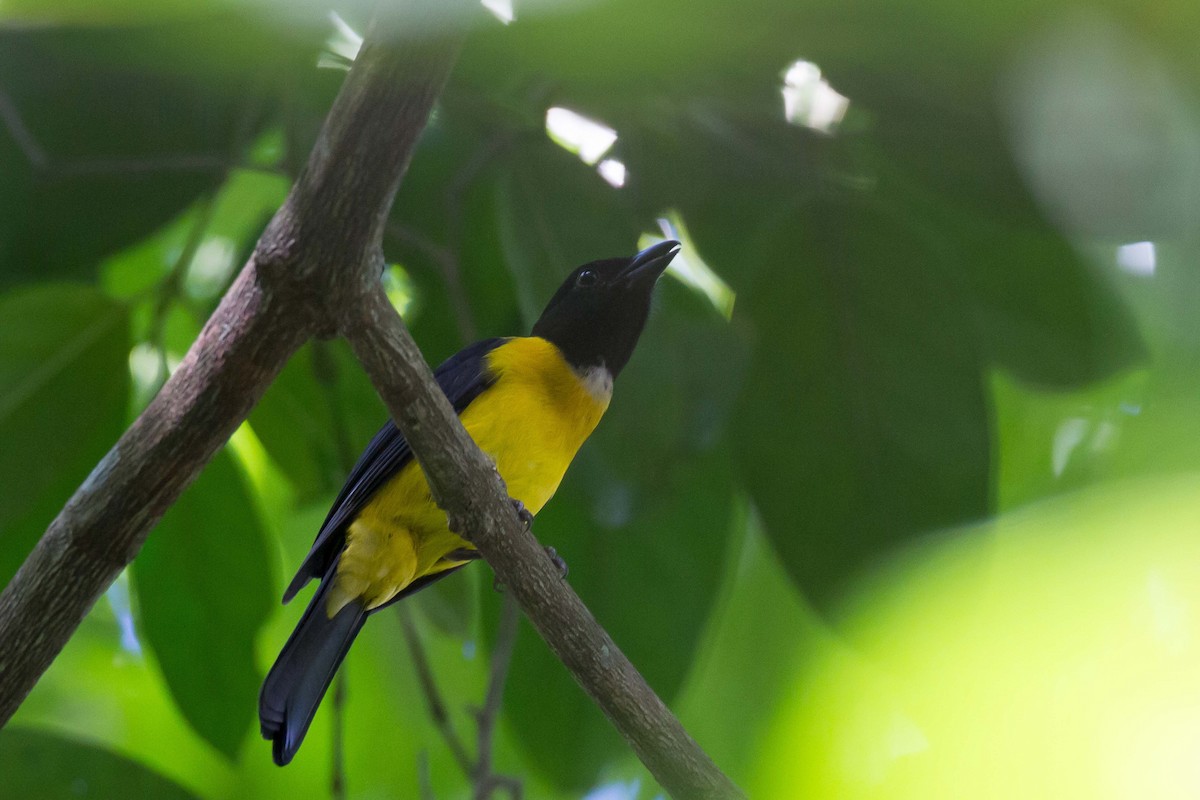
974	299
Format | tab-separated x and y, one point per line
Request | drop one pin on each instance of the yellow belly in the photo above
531	422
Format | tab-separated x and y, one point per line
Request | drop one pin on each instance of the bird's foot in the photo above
523	513
557	561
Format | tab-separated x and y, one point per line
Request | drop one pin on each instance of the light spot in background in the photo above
1137	258
1105	437
118	599
689	268
469	649
211	267
1169	618
342	46
613	506
501	9
586	138
144	365
1070	434
249	450
904	738
1103	130
612	171
615	791
399	288
1098	436
809	100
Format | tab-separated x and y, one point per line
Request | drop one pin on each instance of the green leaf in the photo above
114	143
747	670
1042	311
295	425
295	418
204	581
64	388
864	421
44	766
452	604
452	247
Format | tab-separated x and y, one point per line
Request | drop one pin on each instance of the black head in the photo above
597	315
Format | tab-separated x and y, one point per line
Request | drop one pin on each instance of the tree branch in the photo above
323	240
104	524
466	485
315	271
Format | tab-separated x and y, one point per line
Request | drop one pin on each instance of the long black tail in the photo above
301	675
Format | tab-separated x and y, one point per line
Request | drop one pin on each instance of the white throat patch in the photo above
598	382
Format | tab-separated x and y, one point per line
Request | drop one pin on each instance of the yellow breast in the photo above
531	422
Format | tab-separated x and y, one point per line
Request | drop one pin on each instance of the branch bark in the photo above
466	485
315	272
324	240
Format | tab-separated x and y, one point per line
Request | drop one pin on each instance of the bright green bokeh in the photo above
1050	654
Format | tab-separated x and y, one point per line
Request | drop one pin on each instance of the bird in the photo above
529	403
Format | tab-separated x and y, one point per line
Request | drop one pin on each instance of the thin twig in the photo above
447	264
174	162
433	696
20	133
455	220
170	288
448	258
424	779
51	168
486	717
325	372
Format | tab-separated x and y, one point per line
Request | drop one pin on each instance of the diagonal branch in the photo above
323	240
467	486
315	272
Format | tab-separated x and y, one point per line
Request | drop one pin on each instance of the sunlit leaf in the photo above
760	637
318	398
204	581
1066	631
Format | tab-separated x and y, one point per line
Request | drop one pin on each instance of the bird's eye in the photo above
586	278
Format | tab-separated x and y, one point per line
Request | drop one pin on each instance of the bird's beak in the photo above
647	265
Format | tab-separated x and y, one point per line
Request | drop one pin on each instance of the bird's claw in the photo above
558	561
523	513
555	559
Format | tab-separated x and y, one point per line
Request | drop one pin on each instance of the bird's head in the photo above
597	315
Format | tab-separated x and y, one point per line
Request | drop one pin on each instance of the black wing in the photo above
462	378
